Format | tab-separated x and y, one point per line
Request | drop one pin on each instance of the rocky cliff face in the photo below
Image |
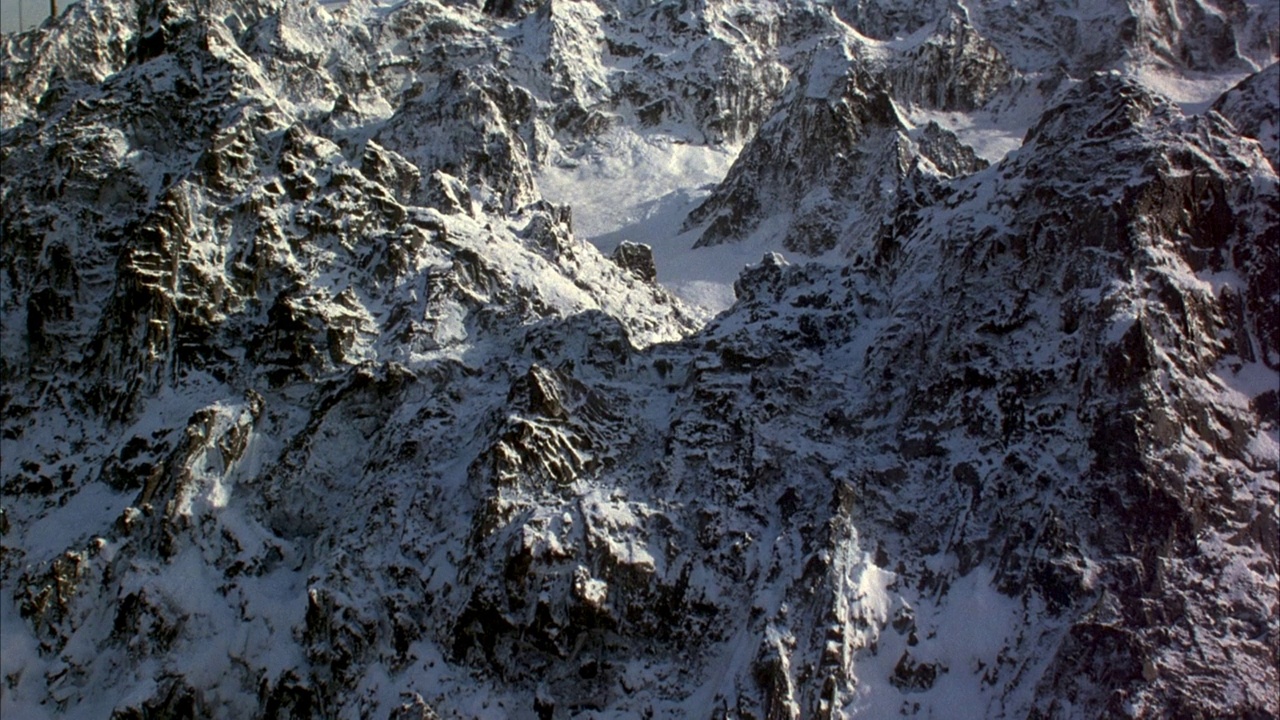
314	407
1250	106
836	161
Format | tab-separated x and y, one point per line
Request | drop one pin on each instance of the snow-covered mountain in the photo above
403	359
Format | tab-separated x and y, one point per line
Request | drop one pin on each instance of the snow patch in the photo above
1193	92
639	187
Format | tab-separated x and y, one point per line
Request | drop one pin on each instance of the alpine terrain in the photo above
769	359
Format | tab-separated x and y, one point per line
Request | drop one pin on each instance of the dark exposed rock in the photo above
838	160
1250	106
415	709
955	69
636	258
173	700
912	676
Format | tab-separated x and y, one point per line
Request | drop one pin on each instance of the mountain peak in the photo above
358	361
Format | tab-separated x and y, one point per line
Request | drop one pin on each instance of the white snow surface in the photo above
1194	92
640	187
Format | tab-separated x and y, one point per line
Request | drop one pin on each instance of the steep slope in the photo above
932	60
1251	106
1089	35
202	280
837	160
313	407
981	71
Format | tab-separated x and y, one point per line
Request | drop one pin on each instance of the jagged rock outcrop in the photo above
314	407
955	68
1198	220
477	130
1251	105
637	258
836	161
1193	34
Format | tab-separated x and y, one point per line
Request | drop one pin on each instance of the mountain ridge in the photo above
314	406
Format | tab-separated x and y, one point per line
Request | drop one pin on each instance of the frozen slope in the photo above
640	187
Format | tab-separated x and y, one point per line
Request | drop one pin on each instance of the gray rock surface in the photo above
313	406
